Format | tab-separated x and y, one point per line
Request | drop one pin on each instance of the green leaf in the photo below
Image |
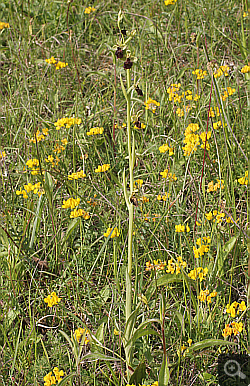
99	333
104	294
209	343
229	246
139	374
72	225
164	372
95	356
144	332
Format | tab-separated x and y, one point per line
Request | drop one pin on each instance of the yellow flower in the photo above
209	216
4	25
95	131
88	10
58	373
102	168
170	2
116	332
242	306
60	65
179	228
77	175
2	154
68	122
221	70
79	333
244	180
71	203
151	105
79	213
115	233
167	174
199	73
52	299
245	69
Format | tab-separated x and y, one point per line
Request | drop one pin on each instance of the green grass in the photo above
43	250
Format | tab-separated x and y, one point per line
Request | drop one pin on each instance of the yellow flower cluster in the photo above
175	96
71	203
50	379
115	233
211	187
163	197
36	189
102	168
219	216
170	2
52	299
2	154
203	137
184	349
92	203
77	175
4	25
79	333
199	73
231	309
59	148
245	69
176	267
214	112
181	112
199	273
217	125
206	296
221	70
157	264
52	160
191	139
95	131
79	213
229	91
232	328
138	183
144	199
88	10
39	136
167	174
244	180
34	165
202	247
181	228
58	65
67	122
151	104
165	148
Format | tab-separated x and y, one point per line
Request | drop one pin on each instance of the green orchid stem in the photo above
128	348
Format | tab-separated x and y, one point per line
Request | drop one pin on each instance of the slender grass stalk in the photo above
128	309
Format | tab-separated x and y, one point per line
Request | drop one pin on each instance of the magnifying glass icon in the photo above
232	368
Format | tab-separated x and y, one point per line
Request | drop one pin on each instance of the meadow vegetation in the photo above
124	201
